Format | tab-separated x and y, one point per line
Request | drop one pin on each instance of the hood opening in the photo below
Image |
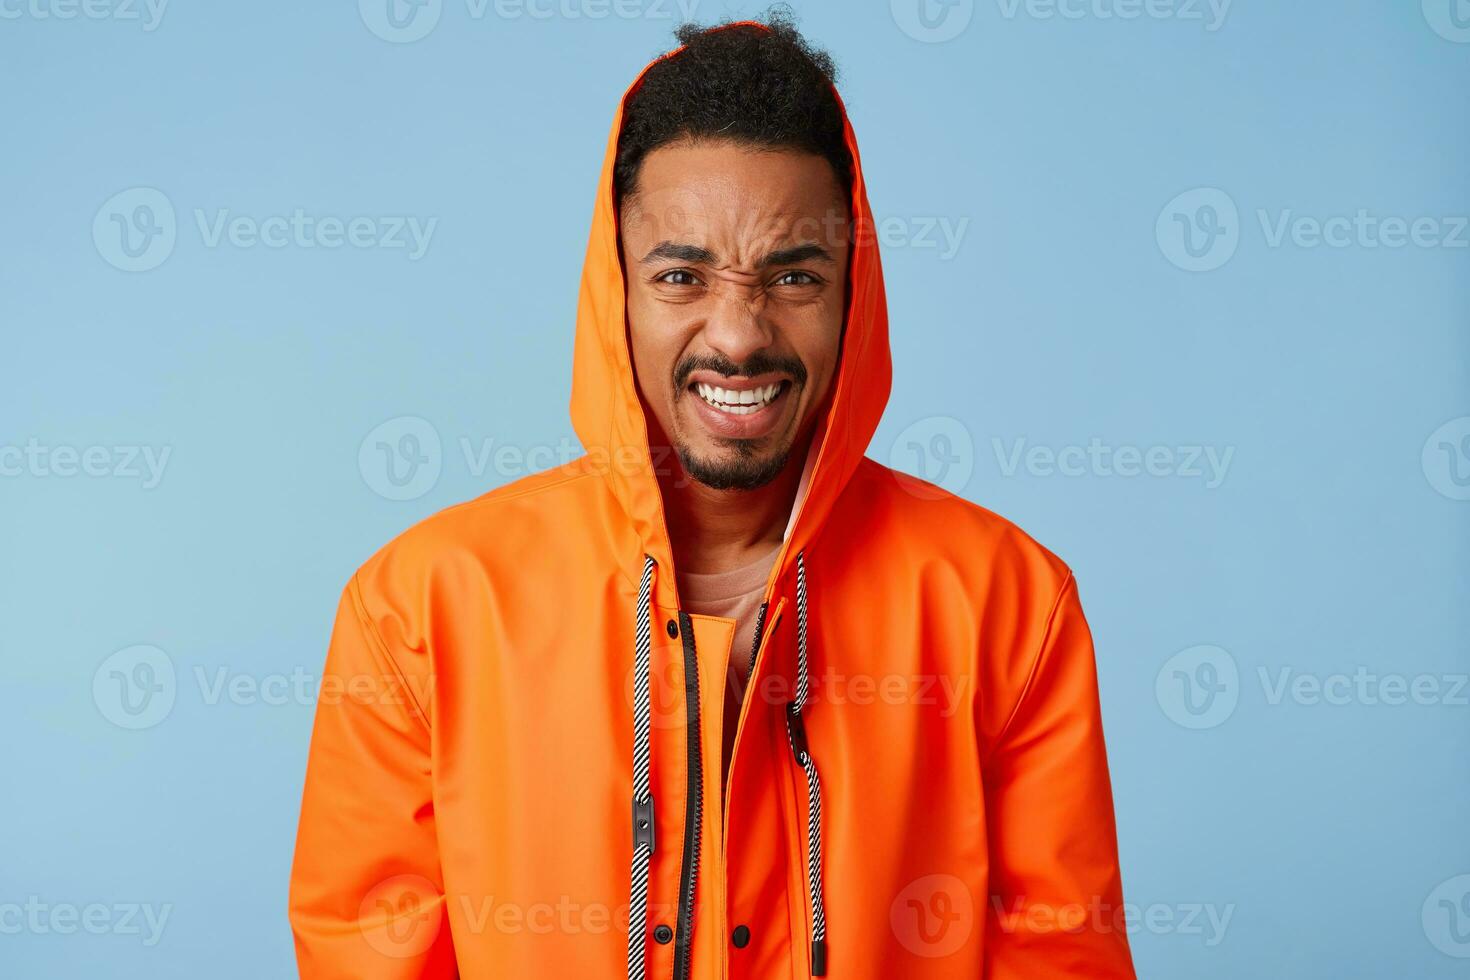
609	417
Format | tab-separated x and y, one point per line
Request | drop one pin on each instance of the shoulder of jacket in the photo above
473	527
939	522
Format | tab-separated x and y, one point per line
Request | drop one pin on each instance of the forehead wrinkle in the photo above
777	247
756	239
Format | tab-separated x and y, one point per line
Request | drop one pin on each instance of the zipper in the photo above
755	646
694	808
766	619
755	649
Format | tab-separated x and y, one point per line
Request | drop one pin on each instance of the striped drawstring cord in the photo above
642	793
643	824
796	734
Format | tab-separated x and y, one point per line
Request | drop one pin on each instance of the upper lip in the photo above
734	382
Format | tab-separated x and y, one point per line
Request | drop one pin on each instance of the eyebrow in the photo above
684	252
679	252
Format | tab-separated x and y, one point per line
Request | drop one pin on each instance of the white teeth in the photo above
742	402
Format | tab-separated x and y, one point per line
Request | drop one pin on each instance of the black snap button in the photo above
740	937
673	629
664	935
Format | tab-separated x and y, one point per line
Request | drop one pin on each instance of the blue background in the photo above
1330	545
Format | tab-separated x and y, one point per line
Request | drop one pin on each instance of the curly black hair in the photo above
762	87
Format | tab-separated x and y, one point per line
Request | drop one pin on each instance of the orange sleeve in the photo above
1055	908
367	898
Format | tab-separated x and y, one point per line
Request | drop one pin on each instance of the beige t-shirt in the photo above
736	595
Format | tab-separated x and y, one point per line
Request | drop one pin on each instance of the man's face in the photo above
736	264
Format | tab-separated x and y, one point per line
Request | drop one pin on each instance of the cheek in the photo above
654	340
818	343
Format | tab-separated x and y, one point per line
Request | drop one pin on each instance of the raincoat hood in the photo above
516	762
608	416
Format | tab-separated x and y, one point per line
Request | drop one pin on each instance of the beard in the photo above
746	471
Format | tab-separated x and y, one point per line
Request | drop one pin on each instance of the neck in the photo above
721	530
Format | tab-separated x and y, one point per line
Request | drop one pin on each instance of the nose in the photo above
737	326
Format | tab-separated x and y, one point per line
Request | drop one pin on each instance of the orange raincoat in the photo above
918	786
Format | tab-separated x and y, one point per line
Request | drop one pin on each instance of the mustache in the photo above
758	363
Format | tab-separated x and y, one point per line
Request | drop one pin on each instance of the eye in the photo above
677	277
796	277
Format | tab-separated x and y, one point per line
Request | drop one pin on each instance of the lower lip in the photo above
752	425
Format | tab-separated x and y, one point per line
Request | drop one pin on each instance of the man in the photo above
722	697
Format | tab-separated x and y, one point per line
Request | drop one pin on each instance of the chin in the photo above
733	468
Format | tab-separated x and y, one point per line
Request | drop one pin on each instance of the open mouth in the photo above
738	401
740	408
